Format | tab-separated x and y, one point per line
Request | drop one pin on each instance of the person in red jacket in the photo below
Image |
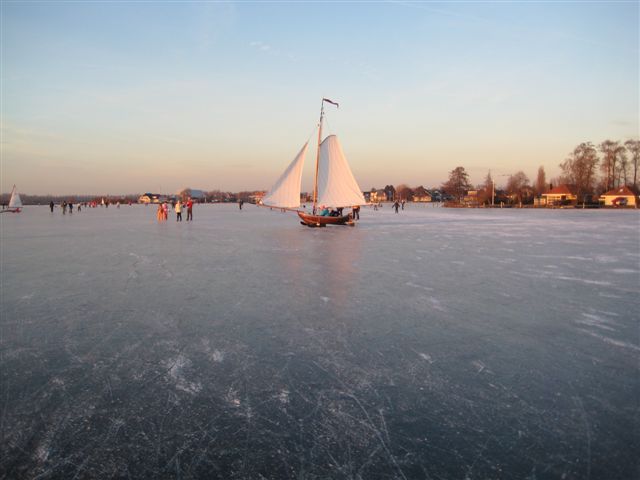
189	210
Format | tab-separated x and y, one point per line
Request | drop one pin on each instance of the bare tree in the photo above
580	169
517	184
612	156
559	180
541	182
185	194
623	169
458	183
633	147
489	188
404	192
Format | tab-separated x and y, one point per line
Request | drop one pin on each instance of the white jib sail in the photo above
337	186
285	193
15	201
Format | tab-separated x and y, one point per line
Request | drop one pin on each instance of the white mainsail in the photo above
15	201
337	186
285	193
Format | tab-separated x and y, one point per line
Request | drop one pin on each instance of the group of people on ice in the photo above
163	210
337	212
68	206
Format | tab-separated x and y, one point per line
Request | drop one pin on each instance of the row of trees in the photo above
618	165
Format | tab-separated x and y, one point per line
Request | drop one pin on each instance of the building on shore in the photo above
192	193
377	196
559	195
152	198
421	194
619	197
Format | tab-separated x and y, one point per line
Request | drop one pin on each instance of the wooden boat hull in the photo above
323	221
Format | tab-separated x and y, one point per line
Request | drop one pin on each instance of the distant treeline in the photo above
210	196
58	199
589	171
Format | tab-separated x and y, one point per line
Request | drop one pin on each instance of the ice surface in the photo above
433	343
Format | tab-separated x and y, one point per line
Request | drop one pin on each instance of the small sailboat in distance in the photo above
15	203
334	183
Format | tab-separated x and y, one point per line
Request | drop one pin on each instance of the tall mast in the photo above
315	183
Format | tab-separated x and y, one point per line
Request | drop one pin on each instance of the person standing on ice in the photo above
178	211
189	210
396	205
51	206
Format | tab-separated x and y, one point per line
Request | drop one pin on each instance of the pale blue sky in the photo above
126	97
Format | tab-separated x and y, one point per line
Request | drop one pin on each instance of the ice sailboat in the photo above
334	183
15	203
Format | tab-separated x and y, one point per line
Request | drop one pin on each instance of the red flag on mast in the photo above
331	101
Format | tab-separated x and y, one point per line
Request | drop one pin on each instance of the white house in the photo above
619	197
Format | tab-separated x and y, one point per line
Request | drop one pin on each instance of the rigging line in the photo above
328	125
312	133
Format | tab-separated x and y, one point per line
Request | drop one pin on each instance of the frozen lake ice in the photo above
433	343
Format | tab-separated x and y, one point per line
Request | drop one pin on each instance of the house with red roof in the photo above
560	195
619	197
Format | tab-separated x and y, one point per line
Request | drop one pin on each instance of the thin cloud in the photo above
269	50
263	47
439	11
622	123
